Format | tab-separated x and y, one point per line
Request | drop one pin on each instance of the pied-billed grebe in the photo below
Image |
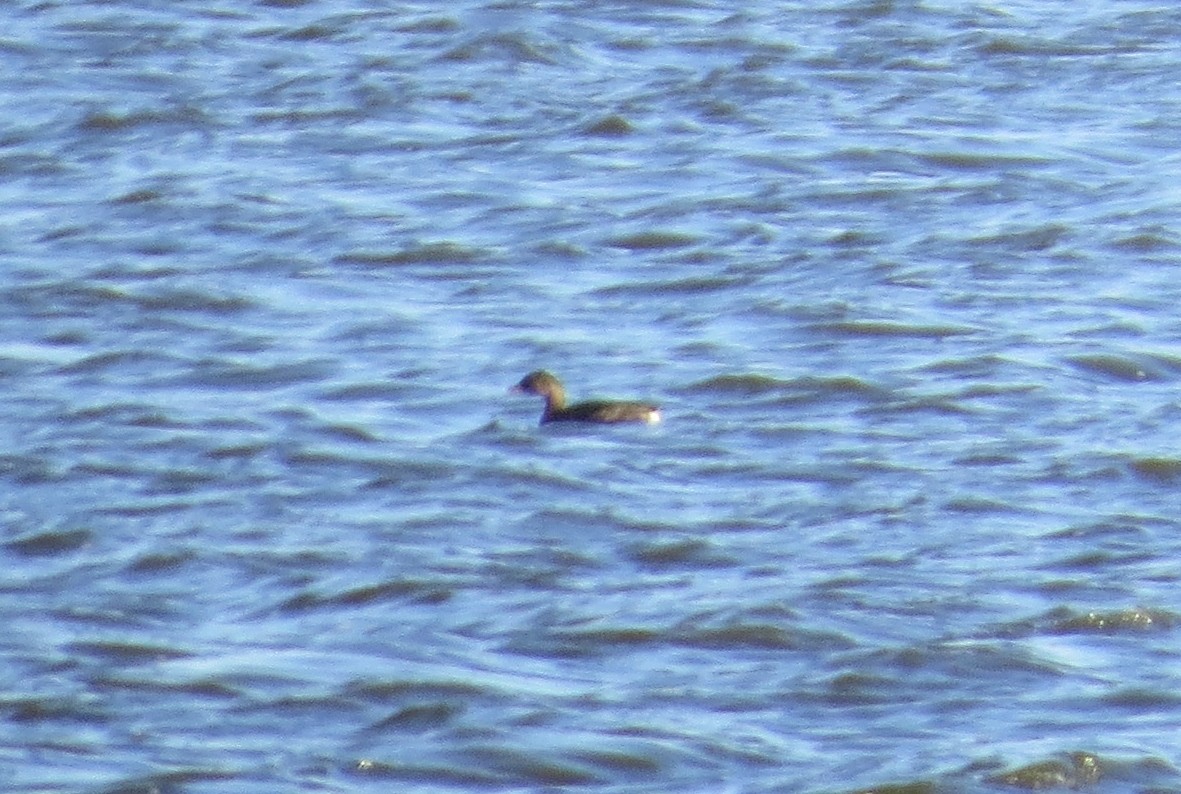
606	411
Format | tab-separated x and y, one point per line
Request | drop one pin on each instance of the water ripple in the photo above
900	276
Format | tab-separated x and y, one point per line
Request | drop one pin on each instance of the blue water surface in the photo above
903	277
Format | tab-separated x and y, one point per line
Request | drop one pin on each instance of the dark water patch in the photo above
770	627
430	24
223	374
1140	700
988	391
440	253
418	718
655	240
823	389
1113	622
125	414
540	568
522	768
342	453
156	506
1151	240
304	119
311	33
50	544
893	675
180	481
1162	471
1067	771
1024	240
974	367
914	787
855	689
700	285
616	762
406	472
1099	560
32	165
161	563
116	361
205	689
981	161
125	653
302	707
154	420
141	196
499	48
585	643
1067	621
68	338
349	433
1127	368
240	451
753	384
52	709
399	590
197	301
687	553
1083	468
733	631
739	636
1113	330
395	389
1013	44
854	238
20	364
871	329
934	404
613	126
986	375
413	690
170	782
1071	771
987	459
124	273
107	121
560	251
979	505
76	299
579	522
1129	532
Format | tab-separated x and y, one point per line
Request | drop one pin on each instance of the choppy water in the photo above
904	277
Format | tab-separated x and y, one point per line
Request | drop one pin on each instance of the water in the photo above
903	277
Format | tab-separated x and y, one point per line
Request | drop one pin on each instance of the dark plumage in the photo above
544	384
